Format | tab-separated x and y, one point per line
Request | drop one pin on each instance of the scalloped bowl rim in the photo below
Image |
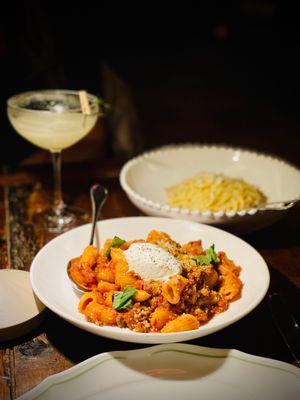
185	211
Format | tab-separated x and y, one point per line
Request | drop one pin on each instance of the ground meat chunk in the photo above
137	318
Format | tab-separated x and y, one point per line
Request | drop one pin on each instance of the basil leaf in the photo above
213	255
128	304
116	242
202	260
210	257
103	106
123	300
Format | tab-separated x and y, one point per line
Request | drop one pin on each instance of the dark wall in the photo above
221	74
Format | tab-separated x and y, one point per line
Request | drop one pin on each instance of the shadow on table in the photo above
281	234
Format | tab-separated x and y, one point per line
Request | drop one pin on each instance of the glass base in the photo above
60	220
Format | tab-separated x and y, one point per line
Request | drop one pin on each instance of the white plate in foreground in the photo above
176	371
51	284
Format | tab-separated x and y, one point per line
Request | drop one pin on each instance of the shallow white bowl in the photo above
145	178
172	371
51	284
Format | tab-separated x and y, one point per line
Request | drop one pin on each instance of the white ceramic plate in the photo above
51	284
146	177
177	371
20	310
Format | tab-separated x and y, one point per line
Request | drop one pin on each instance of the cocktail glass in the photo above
53	120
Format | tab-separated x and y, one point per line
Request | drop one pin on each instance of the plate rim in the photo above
106	330
185	211
186	348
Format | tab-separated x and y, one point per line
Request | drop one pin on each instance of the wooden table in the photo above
57	345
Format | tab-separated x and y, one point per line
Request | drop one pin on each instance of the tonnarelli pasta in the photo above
205	283
214	192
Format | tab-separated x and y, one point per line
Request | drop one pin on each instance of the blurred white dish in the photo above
177	371
51	284
20	310
145	178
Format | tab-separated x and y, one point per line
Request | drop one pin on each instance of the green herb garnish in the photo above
210	257
103	106
116	242
123	300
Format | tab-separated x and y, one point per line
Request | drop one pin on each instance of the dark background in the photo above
226	73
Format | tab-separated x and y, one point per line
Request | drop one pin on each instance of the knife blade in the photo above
286	324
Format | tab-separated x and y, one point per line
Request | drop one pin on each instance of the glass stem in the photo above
58	200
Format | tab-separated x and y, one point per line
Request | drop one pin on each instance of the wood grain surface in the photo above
56	345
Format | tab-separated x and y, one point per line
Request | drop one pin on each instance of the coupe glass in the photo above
53	120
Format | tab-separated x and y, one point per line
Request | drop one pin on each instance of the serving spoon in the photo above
279	205
98	196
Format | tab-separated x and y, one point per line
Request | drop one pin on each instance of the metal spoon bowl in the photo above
98	195
76	285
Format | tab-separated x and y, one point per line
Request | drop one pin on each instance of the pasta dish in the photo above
214	192
155	285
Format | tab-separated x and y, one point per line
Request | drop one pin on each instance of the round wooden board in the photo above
20	309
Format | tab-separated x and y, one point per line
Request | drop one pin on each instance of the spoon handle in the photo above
98	195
